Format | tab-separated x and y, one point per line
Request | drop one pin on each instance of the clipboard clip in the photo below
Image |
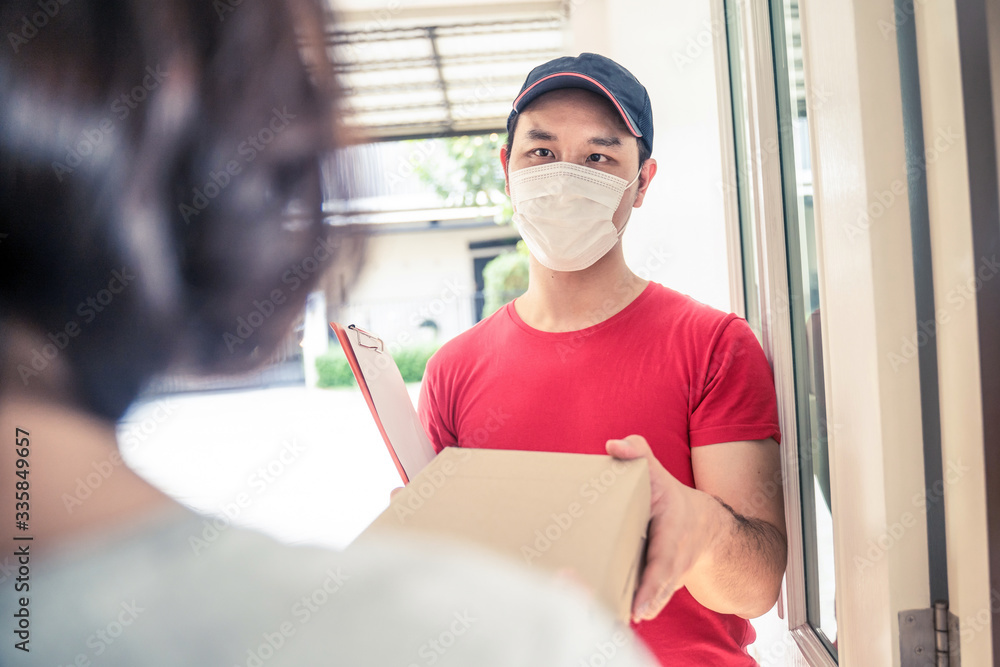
375	342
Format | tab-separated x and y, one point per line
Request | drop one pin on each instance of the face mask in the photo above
564	212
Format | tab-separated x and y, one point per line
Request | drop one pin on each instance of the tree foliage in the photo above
467	172
505	278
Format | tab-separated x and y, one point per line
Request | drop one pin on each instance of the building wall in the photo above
677	237
410	277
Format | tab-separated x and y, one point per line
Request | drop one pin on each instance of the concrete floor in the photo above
303	465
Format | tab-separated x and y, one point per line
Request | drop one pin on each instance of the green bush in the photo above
335	371
505	277
412	361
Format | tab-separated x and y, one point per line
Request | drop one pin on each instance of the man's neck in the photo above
571	301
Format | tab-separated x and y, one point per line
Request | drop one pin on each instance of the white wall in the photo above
412	276
677	237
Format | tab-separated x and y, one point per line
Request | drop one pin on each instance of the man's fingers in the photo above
649	607
663	571
657	586
392	494
662	574
632	447
660	577
622	449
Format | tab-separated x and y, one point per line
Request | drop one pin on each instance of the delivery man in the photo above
594	359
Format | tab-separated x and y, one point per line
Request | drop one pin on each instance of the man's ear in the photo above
646	174
504	158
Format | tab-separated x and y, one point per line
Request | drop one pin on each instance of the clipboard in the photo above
387	398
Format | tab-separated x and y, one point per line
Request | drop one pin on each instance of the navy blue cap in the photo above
601	75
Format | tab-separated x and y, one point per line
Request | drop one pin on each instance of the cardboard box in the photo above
555	511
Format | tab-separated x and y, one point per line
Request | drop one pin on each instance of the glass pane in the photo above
805	312
741	129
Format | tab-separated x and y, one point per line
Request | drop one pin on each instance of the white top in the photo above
178	592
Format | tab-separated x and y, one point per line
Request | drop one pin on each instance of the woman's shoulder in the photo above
197	590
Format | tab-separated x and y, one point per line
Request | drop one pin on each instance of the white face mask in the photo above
564	213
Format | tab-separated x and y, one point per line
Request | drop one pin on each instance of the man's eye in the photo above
597	157
542	152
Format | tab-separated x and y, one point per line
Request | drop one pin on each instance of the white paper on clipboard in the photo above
387	398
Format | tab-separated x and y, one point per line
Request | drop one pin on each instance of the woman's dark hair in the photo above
159	182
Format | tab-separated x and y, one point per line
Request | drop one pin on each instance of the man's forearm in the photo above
741	573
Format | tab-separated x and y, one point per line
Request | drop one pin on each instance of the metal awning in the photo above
439	79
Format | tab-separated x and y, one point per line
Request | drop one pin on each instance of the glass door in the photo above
805	319
780	268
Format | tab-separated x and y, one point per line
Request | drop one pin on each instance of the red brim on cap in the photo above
533	91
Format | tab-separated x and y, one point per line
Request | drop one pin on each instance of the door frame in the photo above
867	293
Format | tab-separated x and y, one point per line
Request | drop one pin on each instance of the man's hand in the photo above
696	540
682	526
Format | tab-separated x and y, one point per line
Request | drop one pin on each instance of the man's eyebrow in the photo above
541	135
605	141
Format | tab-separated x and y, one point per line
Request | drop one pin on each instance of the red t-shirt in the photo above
677	372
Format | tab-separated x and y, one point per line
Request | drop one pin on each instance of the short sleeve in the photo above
432	408
737	400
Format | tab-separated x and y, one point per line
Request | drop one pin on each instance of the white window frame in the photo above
765	183
866	288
